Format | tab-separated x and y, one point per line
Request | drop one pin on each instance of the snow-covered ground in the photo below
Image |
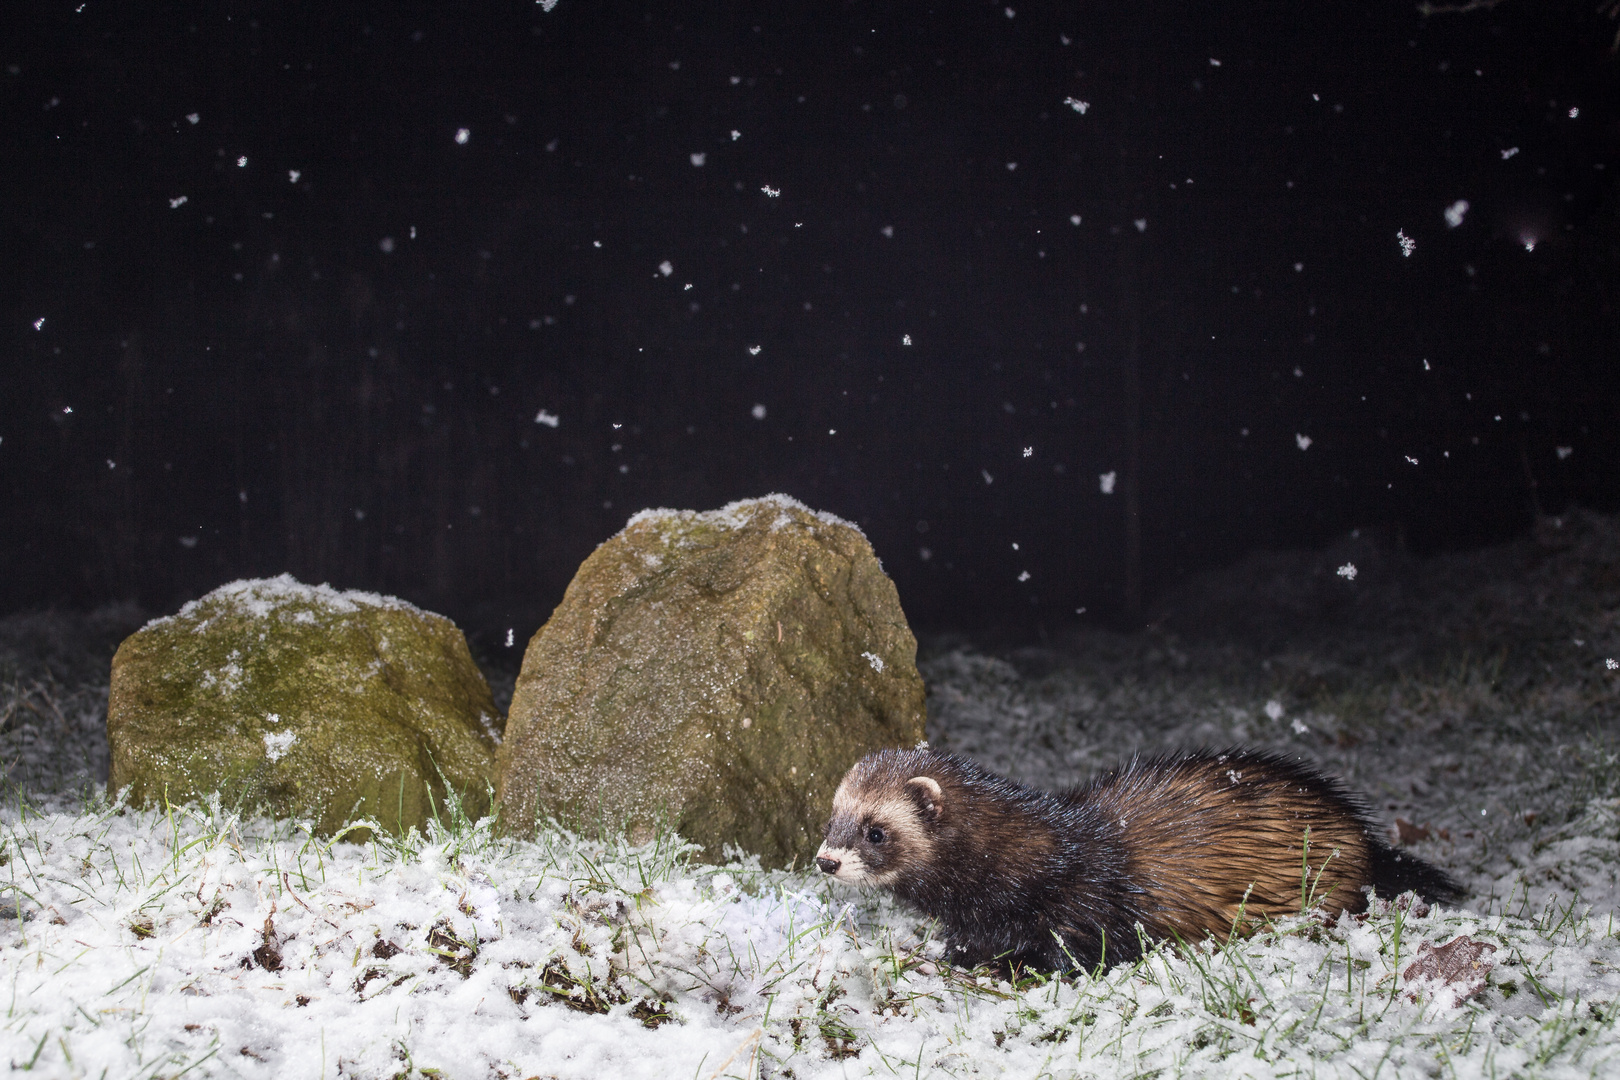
146	944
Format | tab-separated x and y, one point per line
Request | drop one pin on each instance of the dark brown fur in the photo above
1183	846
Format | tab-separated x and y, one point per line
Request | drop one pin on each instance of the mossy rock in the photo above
720	671
302	702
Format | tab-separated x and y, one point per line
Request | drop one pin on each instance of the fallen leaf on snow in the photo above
1459	967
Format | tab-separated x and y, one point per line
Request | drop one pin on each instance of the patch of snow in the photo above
276	744
735	515
260	598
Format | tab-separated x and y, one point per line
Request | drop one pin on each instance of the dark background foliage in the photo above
330	357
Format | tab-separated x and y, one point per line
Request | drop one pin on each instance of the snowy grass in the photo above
194	942
191	942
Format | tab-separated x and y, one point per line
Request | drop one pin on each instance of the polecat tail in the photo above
1395	872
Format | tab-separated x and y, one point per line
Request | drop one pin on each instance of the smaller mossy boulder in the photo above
720	671
302	702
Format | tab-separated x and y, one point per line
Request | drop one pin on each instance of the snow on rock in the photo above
632	699
301	701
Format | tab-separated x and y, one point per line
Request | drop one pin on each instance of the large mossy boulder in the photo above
719	671
302	702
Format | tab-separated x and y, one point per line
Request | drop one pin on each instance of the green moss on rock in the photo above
302	702
721	670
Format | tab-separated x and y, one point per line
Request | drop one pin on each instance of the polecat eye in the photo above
874	835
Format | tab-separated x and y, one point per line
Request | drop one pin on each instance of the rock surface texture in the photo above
720	669
302	702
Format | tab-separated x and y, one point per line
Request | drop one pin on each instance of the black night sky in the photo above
429	298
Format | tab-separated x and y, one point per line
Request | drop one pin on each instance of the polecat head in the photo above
883	818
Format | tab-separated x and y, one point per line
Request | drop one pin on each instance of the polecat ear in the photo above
925	789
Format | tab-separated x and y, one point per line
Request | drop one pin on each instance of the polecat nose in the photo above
828	866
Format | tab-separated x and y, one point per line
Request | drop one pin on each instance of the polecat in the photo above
1185	846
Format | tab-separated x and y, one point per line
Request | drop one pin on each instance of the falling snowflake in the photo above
1029	451
1408	245
698	160
293	175
1274	709
988	479
509	637
177	202
1077	105
39	324
462	135
1074	219
1410	458
1611	663
1024	576
771	192
192	118
1105	481
875	660
888	232
753	350
1348	571
758	412
905	339
551	420
1455	213
1141	224
666	268
1299	726
1304	441
1509	152
241	162
1563	451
